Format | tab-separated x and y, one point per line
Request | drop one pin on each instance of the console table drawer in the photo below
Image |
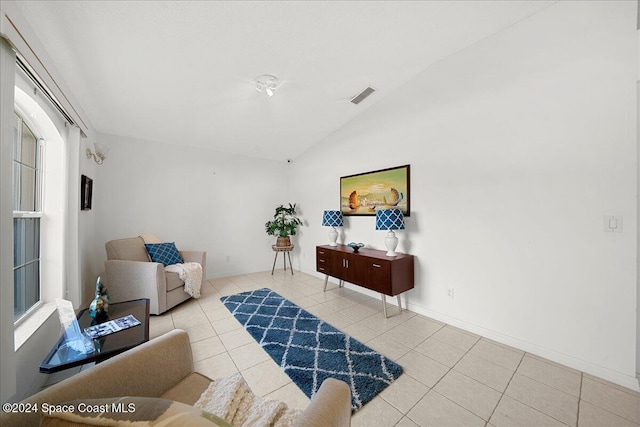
323	261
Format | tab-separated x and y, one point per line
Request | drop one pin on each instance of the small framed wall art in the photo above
365	193
86	193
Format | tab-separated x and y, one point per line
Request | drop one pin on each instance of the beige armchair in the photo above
163	367
130	275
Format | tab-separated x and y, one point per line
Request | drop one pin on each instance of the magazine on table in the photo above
106	328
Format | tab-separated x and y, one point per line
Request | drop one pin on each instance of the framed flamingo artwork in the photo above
365	193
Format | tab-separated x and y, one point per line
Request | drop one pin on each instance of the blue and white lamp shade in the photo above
390	219
332	219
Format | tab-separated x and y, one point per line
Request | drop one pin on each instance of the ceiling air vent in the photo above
362	95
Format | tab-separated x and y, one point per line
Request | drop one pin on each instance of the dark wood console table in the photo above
369	268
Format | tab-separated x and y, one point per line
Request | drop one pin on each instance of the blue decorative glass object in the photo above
390	219
356	246
332	219
100	304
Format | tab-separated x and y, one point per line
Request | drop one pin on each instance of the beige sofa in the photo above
163	367
130	275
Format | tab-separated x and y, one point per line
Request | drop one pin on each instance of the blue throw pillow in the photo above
165	253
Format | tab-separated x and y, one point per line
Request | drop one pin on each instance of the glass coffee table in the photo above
63	357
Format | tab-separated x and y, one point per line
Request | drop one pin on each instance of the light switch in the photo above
613	223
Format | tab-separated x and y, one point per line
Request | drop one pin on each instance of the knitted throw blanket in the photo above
191	274
231	399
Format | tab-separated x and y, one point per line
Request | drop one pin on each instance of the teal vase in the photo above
99	307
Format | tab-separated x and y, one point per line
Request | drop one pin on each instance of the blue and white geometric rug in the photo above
310	350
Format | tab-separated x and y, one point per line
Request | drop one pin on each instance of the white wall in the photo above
19	34
7	356
32	353
201	199
518	146
638	162
43	326
36	335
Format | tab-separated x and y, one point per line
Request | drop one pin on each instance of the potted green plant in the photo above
284	224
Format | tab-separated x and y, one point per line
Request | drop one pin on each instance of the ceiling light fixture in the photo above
267	83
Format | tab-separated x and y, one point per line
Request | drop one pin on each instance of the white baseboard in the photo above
585	366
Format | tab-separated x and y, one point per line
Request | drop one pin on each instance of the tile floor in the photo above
452	377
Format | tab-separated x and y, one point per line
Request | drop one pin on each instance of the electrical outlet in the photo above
450	293
613	223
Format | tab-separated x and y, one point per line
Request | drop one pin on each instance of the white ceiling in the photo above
183	72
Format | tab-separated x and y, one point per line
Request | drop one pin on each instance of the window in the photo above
27	212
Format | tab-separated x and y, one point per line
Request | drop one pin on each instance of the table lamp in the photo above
390	219
332	219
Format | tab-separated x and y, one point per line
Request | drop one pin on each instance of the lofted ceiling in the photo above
182	72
